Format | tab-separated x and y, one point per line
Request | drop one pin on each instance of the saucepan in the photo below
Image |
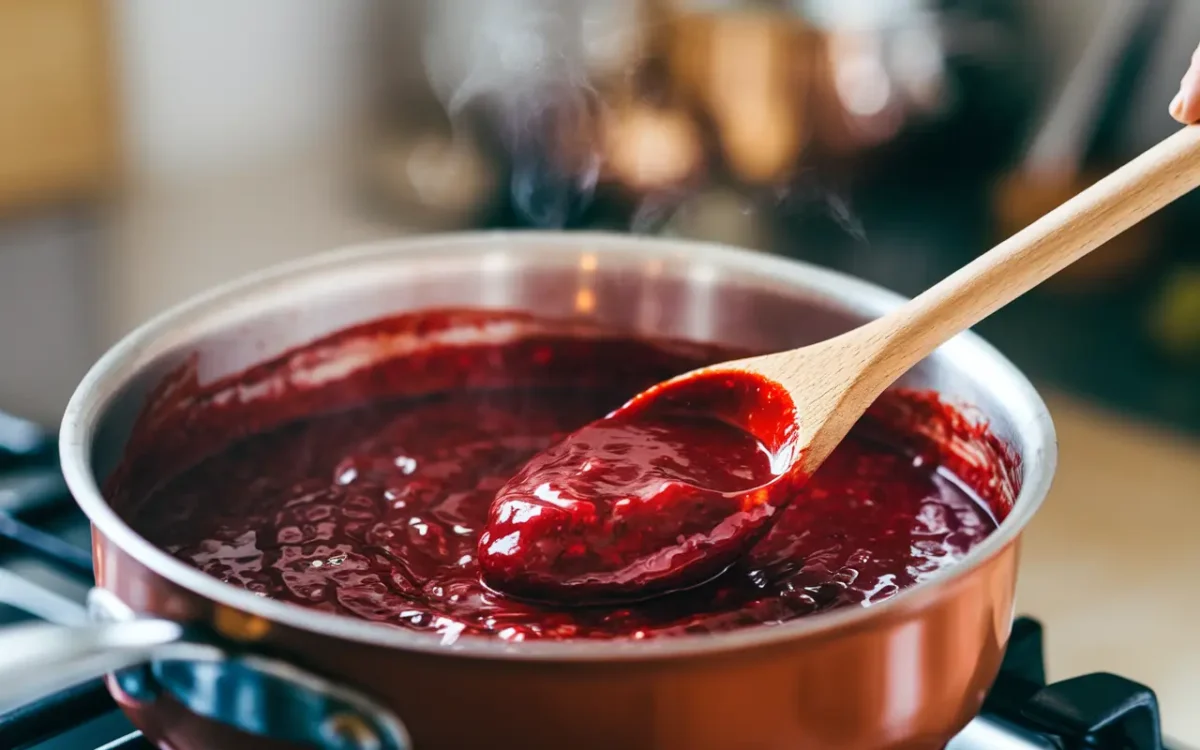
200	664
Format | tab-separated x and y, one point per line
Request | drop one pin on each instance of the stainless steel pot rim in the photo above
80	418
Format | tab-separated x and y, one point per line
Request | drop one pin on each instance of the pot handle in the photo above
148	657
41	658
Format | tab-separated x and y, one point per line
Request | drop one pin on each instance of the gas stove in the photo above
45	572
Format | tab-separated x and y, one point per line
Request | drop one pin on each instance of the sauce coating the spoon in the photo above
661	495
367	495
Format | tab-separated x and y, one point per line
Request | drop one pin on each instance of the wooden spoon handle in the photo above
1094	216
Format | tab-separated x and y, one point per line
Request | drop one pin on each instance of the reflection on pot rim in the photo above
216	310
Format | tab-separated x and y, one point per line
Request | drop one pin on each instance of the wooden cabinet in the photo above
57	129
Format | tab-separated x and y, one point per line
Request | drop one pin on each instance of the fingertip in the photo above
1185	107
1189	109
1176	108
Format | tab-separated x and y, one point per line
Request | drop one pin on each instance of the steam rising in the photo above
522	62
556	156
526	65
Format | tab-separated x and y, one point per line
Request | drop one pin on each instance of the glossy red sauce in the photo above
365	492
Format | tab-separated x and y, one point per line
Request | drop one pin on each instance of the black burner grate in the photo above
1094	710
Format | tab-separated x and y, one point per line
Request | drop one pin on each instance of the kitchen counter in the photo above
1110	563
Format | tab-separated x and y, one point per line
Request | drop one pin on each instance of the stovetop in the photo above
45	572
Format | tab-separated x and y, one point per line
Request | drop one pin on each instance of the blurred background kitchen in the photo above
149	150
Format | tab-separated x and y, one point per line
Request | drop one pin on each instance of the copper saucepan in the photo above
201	664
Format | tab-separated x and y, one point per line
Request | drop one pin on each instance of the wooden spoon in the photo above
672	488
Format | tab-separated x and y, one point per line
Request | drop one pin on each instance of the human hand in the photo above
1185	107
